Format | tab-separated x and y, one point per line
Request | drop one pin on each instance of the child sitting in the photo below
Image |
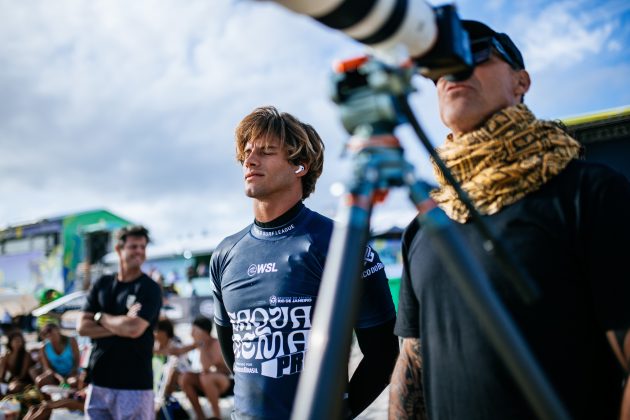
214	379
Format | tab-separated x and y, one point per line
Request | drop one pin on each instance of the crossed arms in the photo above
620	343
128	325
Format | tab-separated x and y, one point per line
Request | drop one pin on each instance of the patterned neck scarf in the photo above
511	155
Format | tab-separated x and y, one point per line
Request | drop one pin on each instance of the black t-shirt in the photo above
123	362
571	236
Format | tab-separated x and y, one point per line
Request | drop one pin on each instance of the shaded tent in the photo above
16	303
66	309
72	301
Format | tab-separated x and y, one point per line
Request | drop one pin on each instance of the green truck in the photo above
54	253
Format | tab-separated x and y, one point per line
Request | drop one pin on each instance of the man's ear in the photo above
301	169
522	83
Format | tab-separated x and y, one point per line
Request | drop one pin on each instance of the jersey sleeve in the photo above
220	314
377	306
606	238
407	321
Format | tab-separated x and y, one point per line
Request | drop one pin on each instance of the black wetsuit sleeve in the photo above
224	334
380	347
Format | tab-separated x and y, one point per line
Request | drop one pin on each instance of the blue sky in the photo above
576	51
132	106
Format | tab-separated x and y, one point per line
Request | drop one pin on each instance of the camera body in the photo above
365	90
450	56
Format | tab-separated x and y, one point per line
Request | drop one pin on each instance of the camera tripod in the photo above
373	101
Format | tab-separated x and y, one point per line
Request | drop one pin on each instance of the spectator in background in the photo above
47	296
213	381
119	315
202	270
191	273
167	289
7	322
59	357
168	344
15	364
43	411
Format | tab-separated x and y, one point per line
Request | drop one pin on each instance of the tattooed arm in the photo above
406	397
620	343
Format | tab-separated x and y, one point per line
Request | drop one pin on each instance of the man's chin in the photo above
135	265
460	120
252	193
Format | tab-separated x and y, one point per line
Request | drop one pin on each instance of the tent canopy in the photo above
16	303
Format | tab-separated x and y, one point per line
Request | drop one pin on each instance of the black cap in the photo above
477	30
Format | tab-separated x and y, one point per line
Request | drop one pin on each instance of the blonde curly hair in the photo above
300	140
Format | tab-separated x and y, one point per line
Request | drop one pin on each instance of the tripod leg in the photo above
320	390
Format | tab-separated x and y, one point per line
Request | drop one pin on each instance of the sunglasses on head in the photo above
482	51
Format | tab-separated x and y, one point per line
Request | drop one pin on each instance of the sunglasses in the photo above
482	51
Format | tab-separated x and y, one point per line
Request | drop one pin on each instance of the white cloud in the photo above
132	106
561	35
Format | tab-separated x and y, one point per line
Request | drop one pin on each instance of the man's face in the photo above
133	252
267	171
198	334
467	104
161	337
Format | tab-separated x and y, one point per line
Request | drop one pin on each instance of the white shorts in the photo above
108	403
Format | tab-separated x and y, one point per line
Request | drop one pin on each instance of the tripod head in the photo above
365	90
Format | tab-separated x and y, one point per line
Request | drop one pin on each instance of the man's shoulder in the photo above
222	251
588	177
583	168
105	279
147	281
316	222
410	231
320	217
229	241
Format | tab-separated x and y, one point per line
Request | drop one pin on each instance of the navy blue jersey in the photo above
265	285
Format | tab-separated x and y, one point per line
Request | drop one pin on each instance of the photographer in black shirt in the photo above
563	218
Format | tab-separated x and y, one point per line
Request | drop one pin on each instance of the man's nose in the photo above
250	161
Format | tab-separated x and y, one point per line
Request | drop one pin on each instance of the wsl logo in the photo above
261	268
